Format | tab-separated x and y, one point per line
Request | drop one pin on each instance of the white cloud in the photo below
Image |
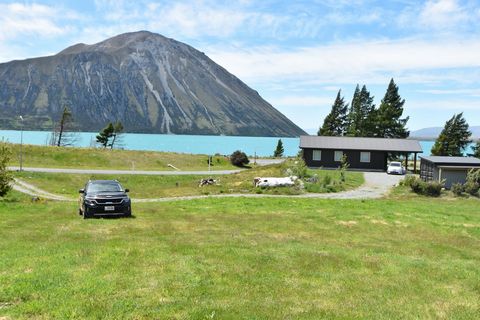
352	62
31	19
442	14
301	101
454	105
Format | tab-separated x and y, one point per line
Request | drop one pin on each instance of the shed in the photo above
361	153
451	169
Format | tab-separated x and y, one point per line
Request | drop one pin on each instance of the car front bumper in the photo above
100	210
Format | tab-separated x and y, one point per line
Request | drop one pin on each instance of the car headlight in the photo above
90	202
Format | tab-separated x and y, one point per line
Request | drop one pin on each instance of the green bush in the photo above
407	181
239	159
471	188
431	189
299	168
474	176
6	177
457	189
417	185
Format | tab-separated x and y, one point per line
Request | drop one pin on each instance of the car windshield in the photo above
395	164
104	187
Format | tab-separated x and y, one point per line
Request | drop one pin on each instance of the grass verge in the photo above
93	158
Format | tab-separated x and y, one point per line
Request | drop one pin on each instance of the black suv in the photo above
104	198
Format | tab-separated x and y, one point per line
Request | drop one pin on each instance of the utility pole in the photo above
21	144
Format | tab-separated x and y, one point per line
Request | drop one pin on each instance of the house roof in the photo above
357	143
453	161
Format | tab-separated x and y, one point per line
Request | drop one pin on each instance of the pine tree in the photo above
388	122
104	136
279	149
454	138
335	124
361	117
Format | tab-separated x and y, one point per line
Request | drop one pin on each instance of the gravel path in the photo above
377	185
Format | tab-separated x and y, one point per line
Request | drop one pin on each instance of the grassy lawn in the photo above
146	186
243	258
91	158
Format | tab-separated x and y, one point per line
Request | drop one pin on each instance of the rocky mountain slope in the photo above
148	82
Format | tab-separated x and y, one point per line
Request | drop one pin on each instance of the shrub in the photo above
457	189
473	176
299	168
417	185
432	189
5	175
239	159
471	188
407	181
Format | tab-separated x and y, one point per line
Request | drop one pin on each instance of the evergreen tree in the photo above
454	138
279	149
388	122
104	136
361	117
335	124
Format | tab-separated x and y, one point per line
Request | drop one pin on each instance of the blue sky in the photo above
296	54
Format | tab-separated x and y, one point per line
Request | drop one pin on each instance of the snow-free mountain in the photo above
434	132
150	83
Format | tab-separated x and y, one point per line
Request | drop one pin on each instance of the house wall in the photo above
378	159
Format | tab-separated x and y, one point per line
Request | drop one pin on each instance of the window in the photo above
364	156
338	156
317	155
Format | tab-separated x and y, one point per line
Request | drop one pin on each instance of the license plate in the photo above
109	208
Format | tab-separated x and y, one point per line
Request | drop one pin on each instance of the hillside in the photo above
150	83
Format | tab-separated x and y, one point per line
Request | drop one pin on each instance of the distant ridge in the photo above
433	132
152	84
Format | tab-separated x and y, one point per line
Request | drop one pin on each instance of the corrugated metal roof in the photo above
453	160
356	143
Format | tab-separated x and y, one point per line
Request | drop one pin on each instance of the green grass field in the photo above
91	158
243	259
146	186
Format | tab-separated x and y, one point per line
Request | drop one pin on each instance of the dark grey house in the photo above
451	169
361	153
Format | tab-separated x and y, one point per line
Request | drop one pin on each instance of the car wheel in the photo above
127	214
80	213
85	215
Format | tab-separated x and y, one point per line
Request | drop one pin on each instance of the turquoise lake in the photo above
261	146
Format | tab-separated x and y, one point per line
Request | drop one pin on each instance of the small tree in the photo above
63	131
117	134
104	136
239	159
5	175
278	153
344	165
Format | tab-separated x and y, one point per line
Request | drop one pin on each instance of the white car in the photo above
396	168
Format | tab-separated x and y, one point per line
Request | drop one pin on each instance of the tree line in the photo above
362	119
